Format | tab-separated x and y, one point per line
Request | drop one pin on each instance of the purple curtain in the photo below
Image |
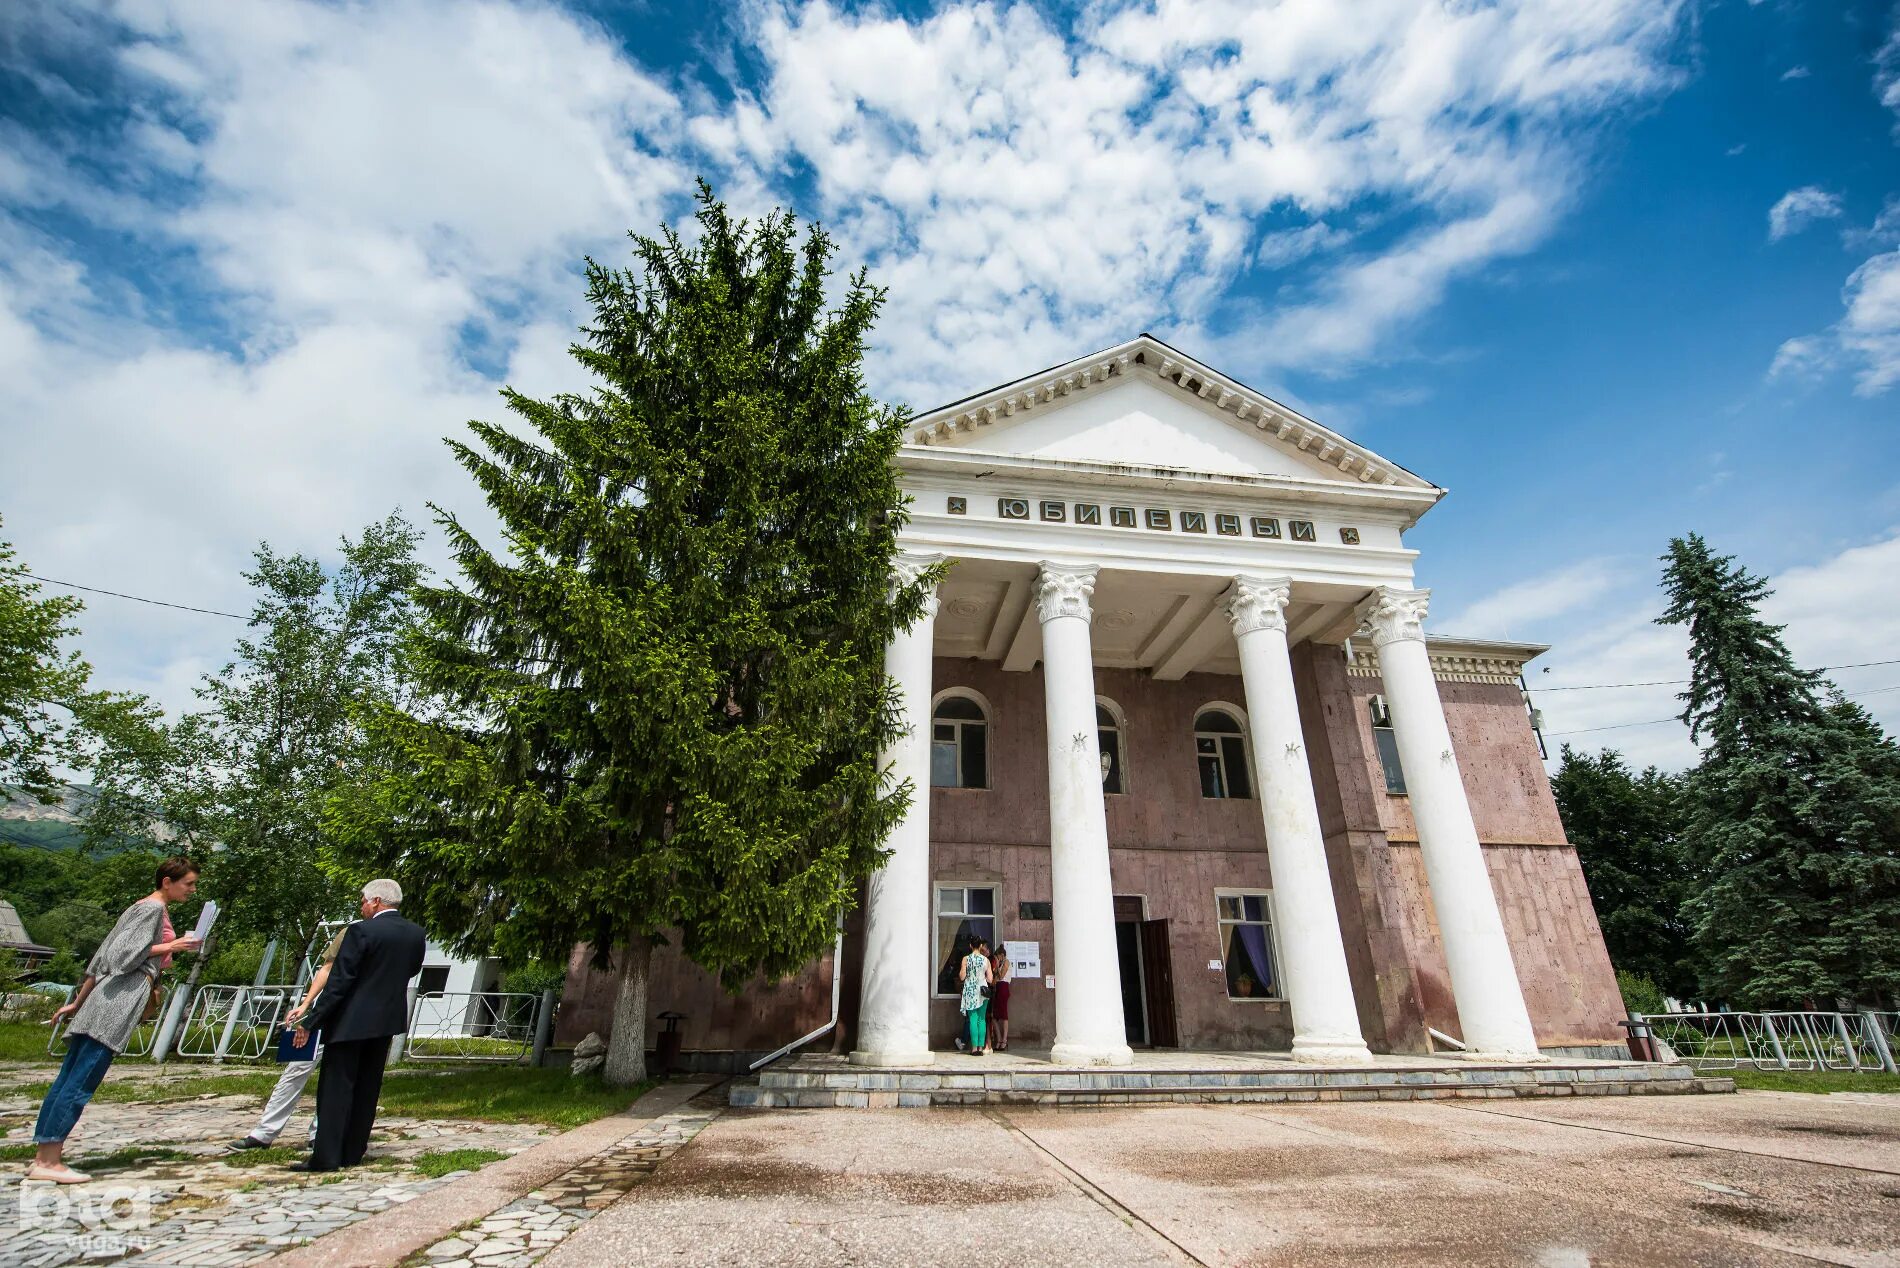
1253	939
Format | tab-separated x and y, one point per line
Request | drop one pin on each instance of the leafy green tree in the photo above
1627	831
658	713
76	926
52	720
278	731
63	967
1794	808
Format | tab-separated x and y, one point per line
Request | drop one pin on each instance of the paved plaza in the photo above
1753	1178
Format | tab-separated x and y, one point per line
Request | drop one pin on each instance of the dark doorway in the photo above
1128	915
1157	980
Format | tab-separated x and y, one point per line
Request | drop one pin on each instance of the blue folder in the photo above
289	1050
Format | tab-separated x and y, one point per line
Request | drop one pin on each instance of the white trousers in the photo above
283	1099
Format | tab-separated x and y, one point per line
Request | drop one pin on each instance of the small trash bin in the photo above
1642	1043
667	1049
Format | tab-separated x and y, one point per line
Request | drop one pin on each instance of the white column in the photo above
1089	1024
894	1003
1484	983
1318	987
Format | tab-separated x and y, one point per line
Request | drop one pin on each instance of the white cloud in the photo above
1796	72
348	198
1866	340
1839	610
1515	610
1799	208
1027	192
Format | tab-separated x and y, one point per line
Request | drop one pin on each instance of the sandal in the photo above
61	1174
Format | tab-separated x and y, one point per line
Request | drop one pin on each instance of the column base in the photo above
892	1056
1090	1054
1331	1052
1516	1058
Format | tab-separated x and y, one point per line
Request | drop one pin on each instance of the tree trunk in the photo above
627	1046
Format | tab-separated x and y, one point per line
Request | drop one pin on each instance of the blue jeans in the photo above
79	1074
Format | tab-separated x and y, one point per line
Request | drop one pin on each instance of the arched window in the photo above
959	744
1108	734
1222	753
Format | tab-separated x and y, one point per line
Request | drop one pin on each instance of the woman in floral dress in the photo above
975	976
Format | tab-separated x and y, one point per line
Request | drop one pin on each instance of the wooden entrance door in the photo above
1157	982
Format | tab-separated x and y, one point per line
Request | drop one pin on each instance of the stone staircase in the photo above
821	1083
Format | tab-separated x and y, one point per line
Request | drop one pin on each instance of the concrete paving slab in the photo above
882	1187
1434	1184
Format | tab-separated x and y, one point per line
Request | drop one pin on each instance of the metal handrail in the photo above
1783	1039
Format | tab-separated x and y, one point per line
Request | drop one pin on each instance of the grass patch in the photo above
275	1156
1810	1080
442	1162
505	1094
17	1153
491	1093
25	1041
130	1157
158	1091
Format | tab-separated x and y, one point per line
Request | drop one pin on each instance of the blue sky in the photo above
1609	272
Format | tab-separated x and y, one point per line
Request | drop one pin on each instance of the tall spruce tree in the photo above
659	713
1794	807
1627	830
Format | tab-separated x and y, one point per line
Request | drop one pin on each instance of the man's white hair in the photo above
386	892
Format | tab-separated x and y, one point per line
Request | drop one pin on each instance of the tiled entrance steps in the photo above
827	1081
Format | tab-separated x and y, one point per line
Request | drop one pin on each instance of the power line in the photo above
1677	682
1594	686
136	598
1618	726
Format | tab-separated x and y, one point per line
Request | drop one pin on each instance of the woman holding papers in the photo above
120	982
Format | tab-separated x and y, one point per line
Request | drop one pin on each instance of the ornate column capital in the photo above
1257	603
1390	615
906	568
1065	590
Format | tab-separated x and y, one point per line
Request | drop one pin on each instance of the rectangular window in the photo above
943	756
435	977
1246	938
964	912
1223	761
1387	743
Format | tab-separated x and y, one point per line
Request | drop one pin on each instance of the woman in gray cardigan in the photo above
106	1010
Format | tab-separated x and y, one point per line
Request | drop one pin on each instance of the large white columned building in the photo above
1181	741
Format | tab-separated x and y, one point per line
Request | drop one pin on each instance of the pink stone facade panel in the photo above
1556	944
1172	848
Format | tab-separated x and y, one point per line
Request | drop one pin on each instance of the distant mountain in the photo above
25	820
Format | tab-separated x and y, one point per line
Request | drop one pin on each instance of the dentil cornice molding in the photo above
1064	590
1257	603
1389	615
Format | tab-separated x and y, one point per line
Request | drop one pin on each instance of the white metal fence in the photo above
140	1044
476	1026
234	1023
1786	1040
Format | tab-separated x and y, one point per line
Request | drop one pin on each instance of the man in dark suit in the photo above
364	1004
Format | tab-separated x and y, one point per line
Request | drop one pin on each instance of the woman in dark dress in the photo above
1000	970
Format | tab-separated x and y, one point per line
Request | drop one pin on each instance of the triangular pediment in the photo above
1145	404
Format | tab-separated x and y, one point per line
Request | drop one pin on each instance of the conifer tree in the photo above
1794	807
1627	830
658	713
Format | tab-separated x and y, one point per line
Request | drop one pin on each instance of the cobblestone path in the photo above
526	1229
196	1209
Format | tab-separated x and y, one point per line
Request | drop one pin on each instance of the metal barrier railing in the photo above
1781	1040
476	1026
234	1023
144	1035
